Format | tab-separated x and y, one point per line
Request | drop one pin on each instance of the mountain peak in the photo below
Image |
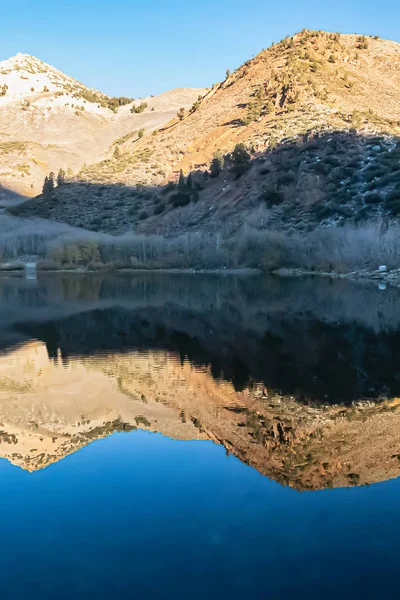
26	61
20	56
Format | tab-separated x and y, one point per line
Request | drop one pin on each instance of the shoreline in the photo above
127	270
389	276
377	276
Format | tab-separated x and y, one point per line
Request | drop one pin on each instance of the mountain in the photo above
49	121
319	115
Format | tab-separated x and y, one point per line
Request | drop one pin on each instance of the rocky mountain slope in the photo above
318	114
310	82
49	121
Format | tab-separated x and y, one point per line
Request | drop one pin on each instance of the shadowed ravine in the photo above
299	379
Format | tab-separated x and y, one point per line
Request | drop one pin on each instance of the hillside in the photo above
319	115
49	121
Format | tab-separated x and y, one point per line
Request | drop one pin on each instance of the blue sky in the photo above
126	47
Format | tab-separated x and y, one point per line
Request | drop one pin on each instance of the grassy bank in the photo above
333	249
337	249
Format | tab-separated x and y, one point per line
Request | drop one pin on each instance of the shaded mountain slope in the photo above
336	177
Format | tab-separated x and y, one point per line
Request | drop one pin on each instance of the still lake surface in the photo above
193	436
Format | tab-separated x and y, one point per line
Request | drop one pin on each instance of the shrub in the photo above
122	100
321	168
196	106
180	198
356	119
89	252
140	108
286	179
158	209
373	198
240	160
217	164
255	108
272	196
170	187
143	215
374	171
362	43
394	206
393	196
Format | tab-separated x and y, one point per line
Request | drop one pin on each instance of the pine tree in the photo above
48	185
52	179
117	152
61	177
181	114
240	160
45	187
217	164
181	182
189	181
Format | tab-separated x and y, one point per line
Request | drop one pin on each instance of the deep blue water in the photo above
137	515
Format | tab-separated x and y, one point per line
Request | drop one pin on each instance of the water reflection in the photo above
299	379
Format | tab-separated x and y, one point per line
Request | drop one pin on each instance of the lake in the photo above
198	436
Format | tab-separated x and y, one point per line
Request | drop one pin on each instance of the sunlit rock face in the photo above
53	406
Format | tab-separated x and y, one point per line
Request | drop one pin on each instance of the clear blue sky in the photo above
126	47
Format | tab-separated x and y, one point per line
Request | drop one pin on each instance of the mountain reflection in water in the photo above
297	378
